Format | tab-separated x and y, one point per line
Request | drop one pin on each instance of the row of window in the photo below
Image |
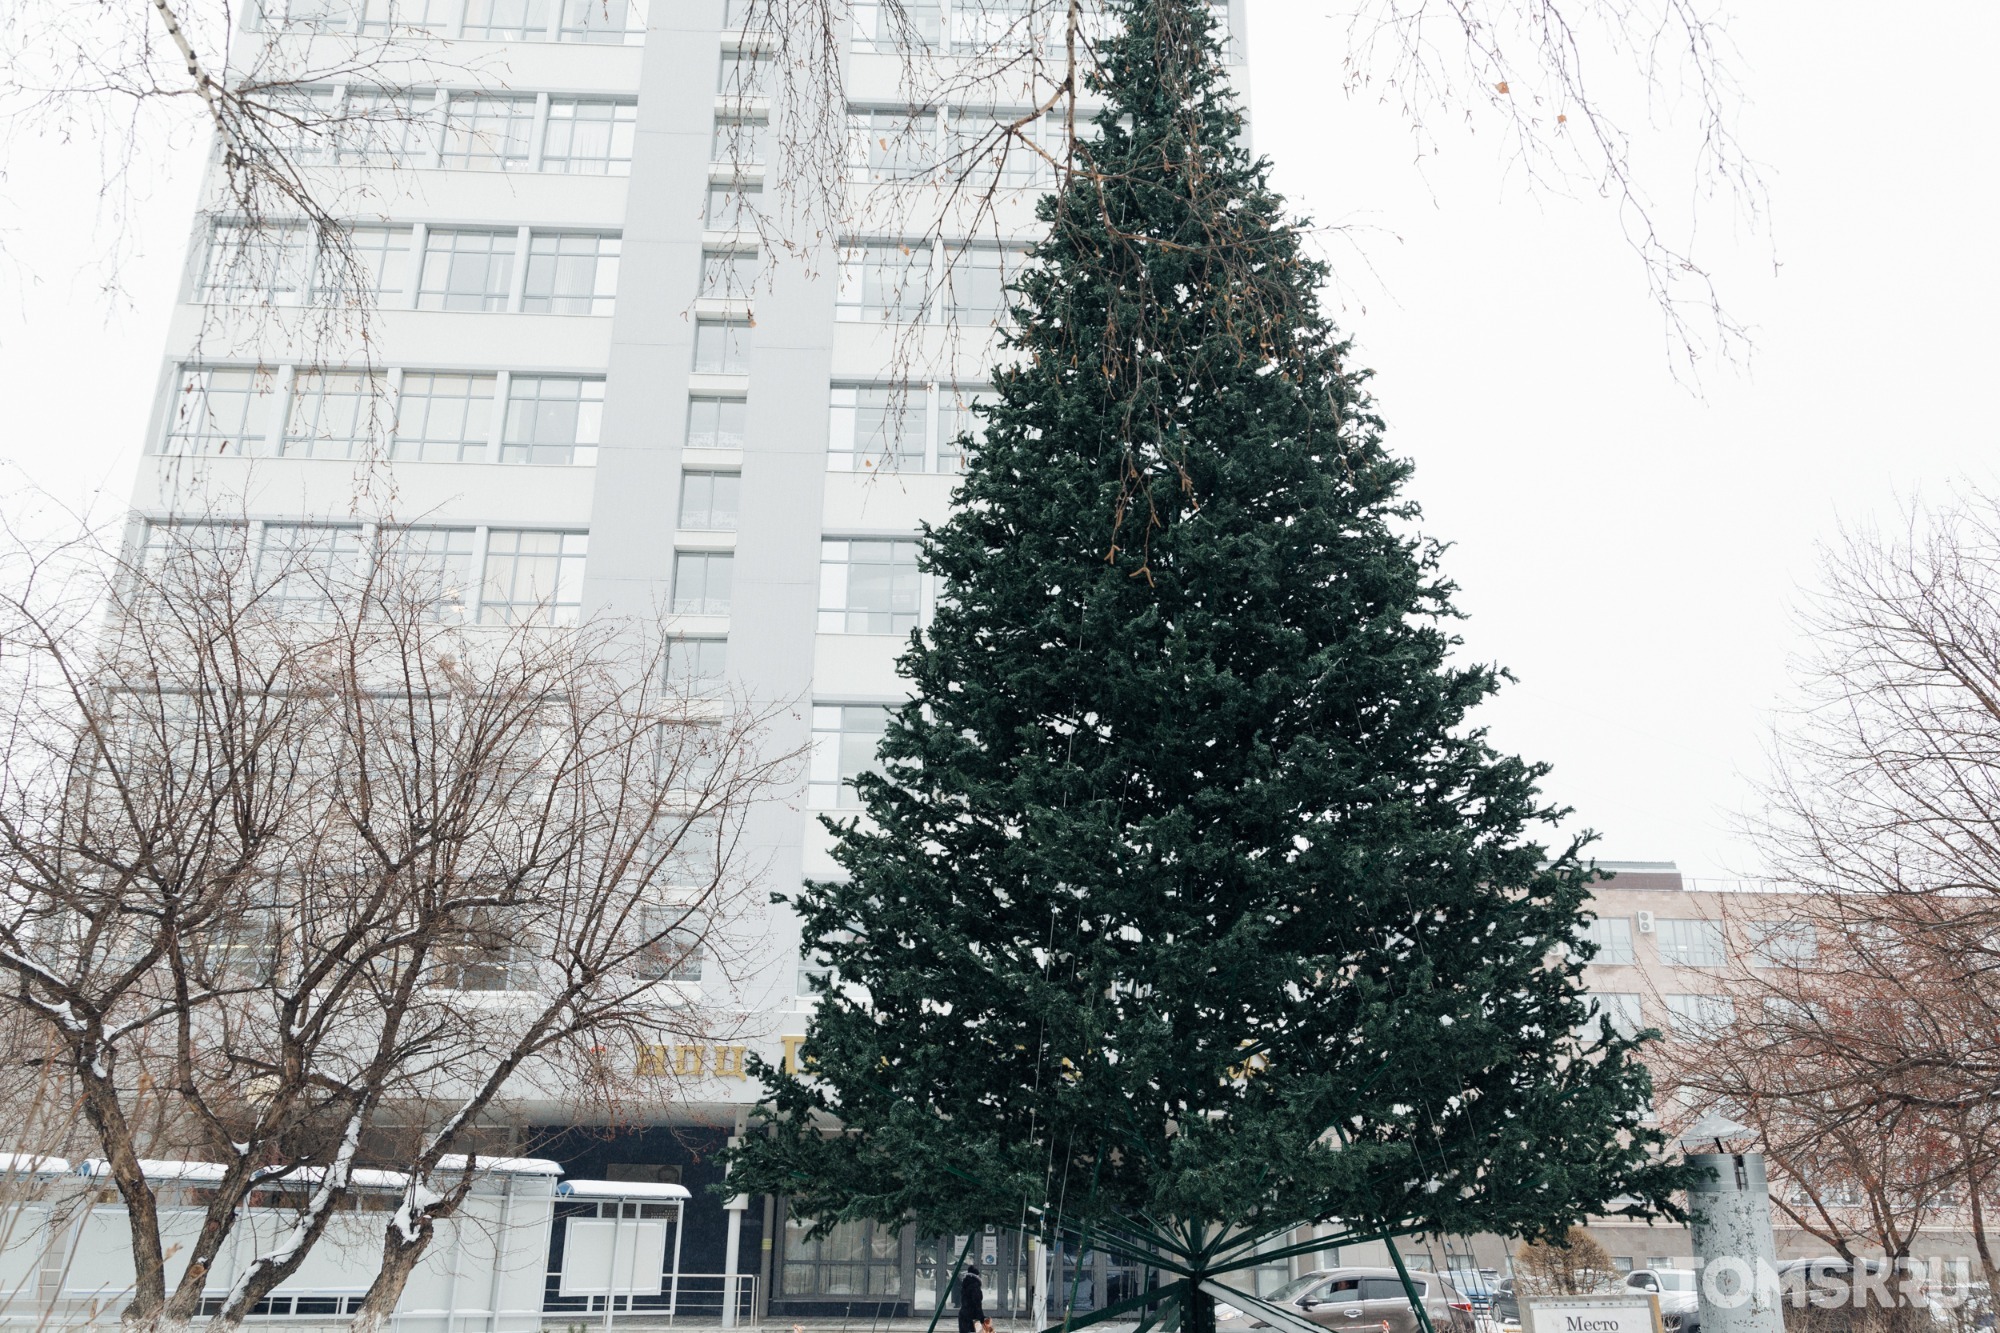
421	416
607	22
984	27
429	416
963	27
1020	148
1695	942
906	282
504	269
479	575
527	271
867	585
409	128
508	576
1690	1016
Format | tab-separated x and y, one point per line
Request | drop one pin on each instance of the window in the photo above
884	27
444	418
693	849
890	145
571	273
883	282
1613	937
1218	10
854	1259
959	425
552	419
728	274
307	123
589	138
1700	1015
809	968
692	663
1782	943
1622	1008
867	587
673	955
702	582
255	265
607	22
879	427
388	129
311	15
467	270
335	414
486	956
1782	1013
507	20
242	945
380	272
990	27
977	284
489	133
708	500
430	568
732	207
741	142
407	18
987	147
1690	942
743	74
844	741
722	347
303	568
533	578
219	411
715	423
206	546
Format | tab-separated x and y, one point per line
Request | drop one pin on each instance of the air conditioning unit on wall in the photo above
1645	923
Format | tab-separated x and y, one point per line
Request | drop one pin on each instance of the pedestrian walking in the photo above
971	1303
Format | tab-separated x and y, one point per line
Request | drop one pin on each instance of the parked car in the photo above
1828	1283
1963	1307
1505	1309
1370	1300
1679	1293
1477	1284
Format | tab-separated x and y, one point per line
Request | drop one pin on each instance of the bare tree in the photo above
1860	1037
1577	1267
290	854
310	86
1558	80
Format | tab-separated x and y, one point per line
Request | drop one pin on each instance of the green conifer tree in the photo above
1188	907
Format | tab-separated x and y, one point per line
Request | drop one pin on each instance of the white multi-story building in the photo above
600	391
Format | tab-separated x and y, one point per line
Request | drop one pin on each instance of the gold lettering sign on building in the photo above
685	1060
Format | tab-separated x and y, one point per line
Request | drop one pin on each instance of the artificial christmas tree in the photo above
1188	907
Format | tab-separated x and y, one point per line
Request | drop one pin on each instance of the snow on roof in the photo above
157	1169
620	1189
32	1164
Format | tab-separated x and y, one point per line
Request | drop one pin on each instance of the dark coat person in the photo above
971	1302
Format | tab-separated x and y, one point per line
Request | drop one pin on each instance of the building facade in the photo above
590	385
596	388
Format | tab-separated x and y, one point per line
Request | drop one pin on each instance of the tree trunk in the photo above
94	1069
404	1242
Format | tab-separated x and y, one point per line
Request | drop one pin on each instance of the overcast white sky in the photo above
1632	552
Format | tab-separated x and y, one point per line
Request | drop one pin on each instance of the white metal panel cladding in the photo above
625	1256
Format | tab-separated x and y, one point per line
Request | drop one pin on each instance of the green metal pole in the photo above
1409	1287
944	1294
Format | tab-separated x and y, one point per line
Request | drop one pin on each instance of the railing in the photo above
689	1298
